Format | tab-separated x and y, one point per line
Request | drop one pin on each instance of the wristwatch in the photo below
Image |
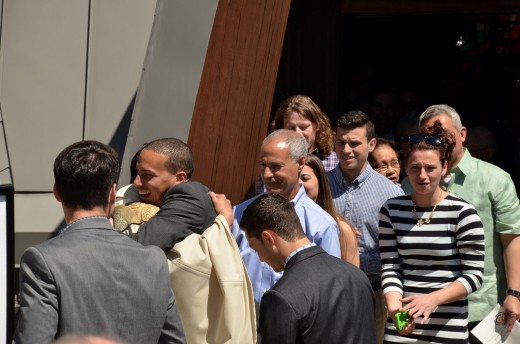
514	293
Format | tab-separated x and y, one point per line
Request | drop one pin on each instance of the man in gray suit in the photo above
90	279
319	298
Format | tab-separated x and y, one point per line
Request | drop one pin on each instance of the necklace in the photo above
421	221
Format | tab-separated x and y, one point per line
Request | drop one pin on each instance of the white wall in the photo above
68	71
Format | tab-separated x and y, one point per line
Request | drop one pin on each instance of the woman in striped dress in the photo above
432	249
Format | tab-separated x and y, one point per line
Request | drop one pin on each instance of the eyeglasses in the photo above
383	167
434	140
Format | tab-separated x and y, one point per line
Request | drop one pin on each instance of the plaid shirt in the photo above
360	202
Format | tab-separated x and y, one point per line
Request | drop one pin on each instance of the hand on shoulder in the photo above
222	206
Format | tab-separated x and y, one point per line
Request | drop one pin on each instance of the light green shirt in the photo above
492	192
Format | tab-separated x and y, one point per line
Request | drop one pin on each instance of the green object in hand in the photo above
401	319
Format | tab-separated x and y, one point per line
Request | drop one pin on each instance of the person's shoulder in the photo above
337	268
399	199
38	250
153	251
458	201
239	208
489	169
310	206
189	187
377	177
53	244
246	202
490	178
149	254
385	185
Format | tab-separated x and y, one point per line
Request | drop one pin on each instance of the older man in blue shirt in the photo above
282	157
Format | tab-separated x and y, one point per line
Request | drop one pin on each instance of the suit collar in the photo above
100	222
303	255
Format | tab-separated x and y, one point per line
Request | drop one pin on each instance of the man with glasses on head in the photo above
358	193
491	191
384	160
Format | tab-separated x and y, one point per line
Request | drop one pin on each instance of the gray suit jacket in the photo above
94	280
319	299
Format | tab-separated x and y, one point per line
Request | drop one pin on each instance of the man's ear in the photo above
182	176
463	132
55	192
112	195
372	144
301	162
268	238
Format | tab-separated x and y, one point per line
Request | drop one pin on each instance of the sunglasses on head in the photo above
434	140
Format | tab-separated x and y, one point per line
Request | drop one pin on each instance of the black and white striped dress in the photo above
423	259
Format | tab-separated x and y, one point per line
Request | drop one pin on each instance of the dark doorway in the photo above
471	62
468	61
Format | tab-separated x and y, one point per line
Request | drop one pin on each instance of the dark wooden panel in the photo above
401	7
235	93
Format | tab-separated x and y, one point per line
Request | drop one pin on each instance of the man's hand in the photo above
511	311
222	206
511	250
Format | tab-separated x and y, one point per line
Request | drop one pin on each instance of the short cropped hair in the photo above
274	212
357	119
294	141
84	173
180	156
437	110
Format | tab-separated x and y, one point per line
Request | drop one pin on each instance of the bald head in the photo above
294	141
282	157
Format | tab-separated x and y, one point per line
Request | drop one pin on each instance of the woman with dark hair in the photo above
316	184
432	249
385	160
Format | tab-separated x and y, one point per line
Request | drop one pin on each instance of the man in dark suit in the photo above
163	176
319	298
91	279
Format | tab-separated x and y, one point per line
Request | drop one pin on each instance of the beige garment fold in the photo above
212	289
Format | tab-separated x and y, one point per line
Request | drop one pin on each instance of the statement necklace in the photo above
421	221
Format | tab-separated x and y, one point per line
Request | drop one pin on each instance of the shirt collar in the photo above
464	164
79	220
300	196
301	248
363	176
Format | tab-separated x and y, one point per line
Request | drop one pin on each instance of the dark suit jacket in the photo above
94	280
319	299
187	209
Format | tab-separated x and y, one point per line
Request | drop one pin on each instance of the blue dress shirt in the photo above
317	224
